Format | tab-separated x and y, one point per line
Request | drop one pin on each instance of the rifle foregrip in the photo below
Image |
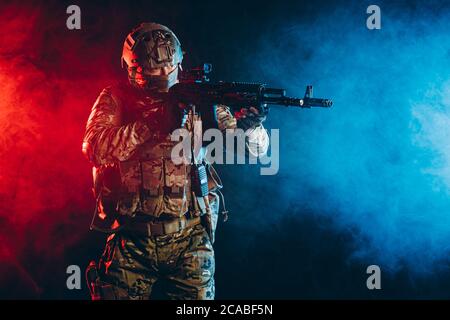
317	102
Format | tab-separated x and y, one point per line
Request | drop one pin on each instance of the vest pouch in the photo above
176	188
152	192
209	220
107	184
130	174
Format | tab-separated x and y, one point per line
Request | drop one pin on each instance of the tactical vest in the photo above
150	182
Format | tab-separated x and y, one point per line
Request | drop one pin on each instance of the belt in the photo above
160	228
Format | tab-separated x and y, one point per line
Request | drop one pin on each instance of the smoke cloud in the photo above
377	163
374	168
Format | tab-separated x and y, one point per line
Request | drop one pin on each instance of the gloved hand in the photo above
249	118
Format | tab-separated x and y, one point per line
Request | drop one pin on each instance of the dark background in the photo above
51	77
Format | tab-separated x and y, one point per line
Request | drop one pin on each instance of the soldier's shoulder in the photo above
116	92
115	89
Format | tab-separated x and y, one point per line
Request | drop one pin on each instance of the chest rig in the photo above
152	182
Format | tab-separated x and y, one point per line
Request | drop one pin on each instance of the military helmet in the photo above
151	46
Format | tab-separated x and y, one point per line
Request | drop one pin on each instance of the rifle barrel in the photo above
296	102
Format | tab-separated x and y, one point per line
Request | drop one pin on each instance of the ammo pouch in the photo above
101	290
209	206
153	186
106	188
93	281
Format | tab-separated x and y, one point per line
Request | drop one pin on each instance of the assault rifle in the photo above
194	88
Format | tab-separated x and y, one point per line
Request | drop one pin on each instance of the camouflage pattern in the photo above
120	135
151	183
107	139
184	261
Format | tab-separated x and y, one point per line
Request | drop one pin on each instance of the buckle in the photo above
160	228
156	229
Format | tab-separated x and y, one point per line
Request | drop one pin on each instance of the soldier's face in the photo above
164	76
164	71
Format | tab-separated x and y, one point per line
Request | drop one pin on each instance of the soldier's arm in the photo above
106	140
257	139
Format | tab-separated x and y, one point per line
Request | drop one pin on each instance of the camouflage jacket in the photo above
150	183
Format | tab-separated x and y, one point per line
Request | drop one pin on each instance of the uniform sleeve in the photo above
106	140
257	139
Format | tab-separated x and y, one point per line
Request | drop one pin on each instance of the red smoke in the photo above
49	79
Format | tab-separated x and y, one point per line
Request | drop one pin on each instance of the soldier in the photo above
160	229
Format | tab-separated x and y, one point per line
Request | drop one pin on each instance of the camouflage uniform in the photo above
152	189
162	231
131	265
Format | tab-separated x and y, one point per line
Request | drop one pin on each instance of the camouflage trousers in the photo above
132	264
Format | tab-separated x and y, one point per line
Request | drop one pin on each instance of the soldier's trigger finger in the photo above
254	110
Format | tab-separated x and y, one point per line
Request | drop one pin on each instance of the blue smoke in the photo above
378	162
